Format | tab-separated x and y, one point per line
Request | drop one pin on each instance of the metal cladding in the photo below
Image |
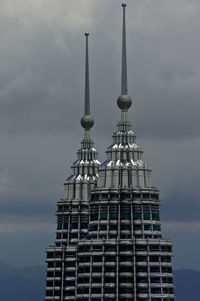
110	248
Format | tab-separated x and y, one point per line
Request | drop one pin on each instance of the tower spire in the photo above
87	79
124	101
87	121
124	83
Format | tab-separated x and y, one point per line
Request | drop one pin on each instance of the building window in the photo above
83	280
110	248
141	269
97	248
147	227
58	274
125	290
167	280
137	227
165	258
84	270
103	227
168	290
127	269
137	212
155	280
125	248
126	280
97	259
155	212
96	290
141	258
59	226
125	211
141	248
146	212
110	280
125	227
146	195
96	280
50	274
154	258
154	248
94	212
142	279
109	290
113	211
83	290
110	269
110	258
142	290
50	255
156	290
156	227
113	227
166	248
166	270
154	269
103	212
49	293
125	258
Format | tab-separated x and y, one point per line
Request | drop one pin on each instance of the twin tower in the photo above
109	245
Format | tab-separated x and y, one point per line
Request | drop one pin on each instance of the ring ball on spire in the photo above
87	122
124	102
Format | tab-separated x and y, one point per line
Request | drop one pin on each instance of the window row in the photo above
123	226
64	208
127	279
58	274
125	247
73	225
125	196
111	211
126	269
155	290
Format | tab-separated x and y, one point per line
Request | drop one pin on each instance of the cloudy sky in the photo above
41	102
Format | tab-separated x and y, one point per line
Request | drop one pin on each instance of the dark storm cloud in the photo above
42	90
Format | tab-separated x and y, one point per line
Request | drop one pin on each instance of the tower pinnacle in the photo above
87	120
124	101
124	83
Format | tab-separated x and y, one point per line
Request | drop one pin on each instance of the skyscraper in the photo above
122	255
73	213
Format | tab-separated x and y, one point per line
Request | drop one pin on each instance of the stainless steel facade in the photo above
125	256
109	243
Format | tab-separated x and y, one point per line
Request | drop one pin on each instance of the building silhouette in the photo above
109	243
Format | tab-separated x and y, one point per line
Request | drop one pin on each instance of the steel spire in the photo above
124	101
87	121
87	79
124	83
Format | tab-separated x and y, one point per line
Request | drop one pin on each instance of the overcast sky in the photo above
41	103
